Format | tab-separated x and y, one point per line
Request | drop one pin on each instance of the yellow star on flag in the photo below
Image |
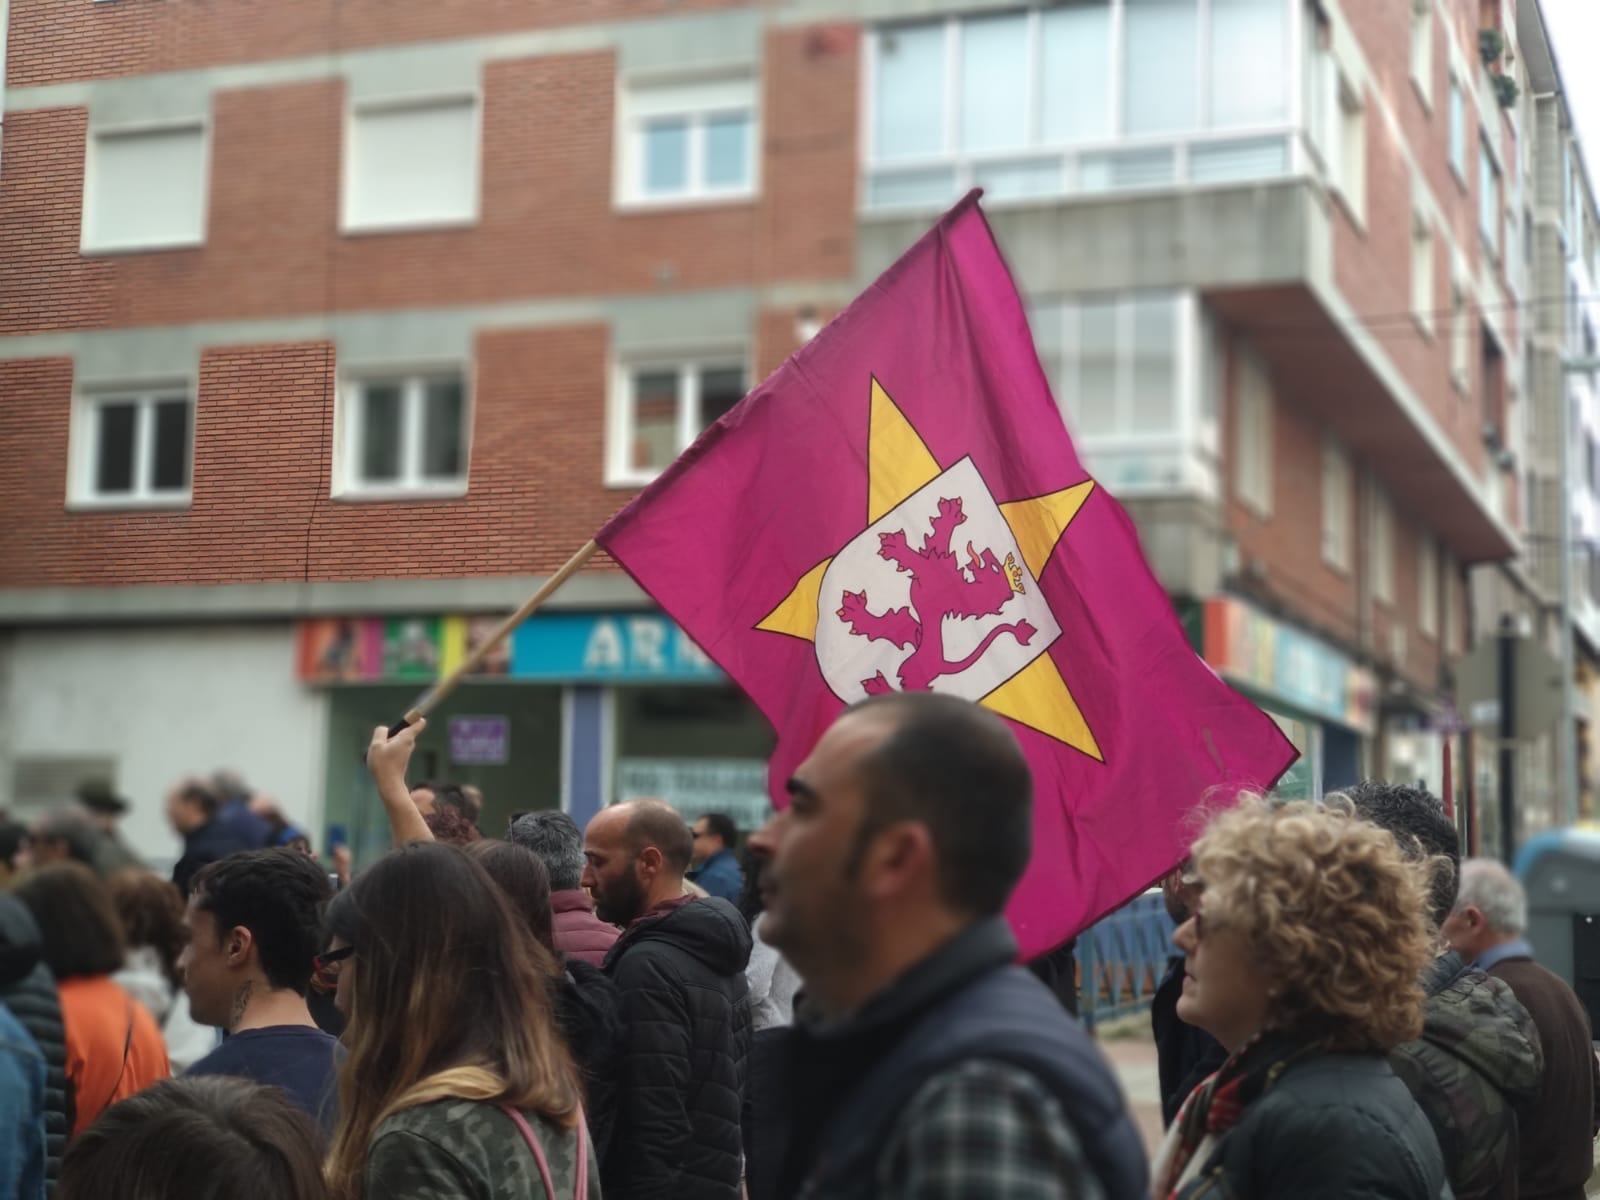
899	464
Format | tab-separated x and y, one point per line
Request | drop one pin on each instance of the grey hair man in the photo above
554	837
1487	927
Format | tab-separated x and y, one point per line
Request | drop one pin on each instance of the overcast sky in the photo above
1574	27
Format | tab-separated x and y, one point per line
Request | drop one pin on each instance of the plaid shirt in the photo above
984	1128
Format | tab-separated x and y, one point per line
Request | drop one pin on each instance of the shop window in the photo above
411	164
406	434
658	409
688	140
145	189
135	447
700	748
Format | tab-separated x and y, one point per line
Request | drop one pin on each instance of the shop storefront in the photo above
576	710
1322	700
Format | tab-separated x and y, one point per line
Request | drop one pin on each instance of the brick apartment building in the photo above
328	328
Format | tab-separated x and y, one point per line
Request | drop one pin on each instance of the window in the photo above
1024	103
1458	131
412	163
1114	363
1422	270
1252	478
145	189
686	141
1380	563
1488	196
1427	586
1321	84
1422	49
406	434
662	407
1335	505
1459	334
136	447
1352	148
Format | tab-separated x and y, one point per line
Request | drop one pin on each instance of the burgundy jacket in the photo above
579	933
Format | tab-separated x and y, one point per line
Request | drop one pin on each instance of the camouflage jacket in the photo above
1476	1064
466	1150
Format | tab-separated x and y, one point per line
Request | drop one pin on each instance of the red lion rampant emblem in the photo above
940	587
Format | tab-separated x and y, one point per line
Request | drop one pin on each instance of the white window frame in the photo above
412	378
1427	586
1422	51
1070	156
1423	270
1253	431
349	223
85	445
1458	129
1489	171
86	243
1380	546
1460	333
689	367
1351	176
1337	478
633	111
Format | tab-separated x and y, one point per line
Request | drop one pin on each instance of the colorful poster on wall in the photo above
480	741
627	647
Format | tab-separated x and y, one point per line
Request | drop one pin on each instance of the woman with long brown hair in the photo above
457	1083
152	924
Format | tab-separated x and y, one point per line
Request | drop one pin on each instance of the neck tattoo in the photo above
241	1001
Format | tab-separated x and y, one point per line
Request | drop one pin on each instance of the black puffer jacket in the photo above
685	1013
1336	1127
29	991
586	1009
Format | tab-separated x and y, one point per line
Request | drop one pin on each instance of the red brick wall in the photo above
1288	543
55	41
261	508
547	227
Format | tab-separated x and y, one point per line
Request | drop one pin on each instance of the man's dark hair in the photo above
1416	818
446	794
721	824
199	794
956	768
203	1137
279	896
78	924
555	838
70	826
12	835
656	823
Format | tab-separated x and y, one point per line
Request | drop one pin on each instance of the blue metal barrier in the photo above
1121	959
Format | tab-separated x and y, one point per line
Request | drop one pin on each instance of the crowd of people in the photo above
630	1010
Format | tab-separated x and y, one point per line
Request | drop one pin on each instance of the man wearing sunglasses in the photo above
255	921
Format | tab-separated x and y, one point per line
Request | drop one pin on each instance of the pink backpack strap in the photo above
581	1192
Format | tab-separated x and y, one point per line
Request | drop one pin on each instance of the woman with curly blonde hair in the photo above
1303	960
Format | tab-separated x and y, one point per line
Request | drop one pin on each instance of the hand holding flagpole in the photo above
429	699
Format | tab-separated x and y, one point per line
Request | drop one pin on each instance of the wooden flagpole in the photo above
430	698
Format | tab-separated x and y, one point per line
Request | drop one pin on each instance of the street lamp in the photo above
1586	365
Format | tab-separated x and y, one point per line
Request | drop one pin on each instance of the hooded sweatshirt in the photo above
29	991
1476	1064
685	1013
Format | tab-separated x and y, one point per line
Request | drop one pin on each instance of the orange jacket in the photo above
113	1047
